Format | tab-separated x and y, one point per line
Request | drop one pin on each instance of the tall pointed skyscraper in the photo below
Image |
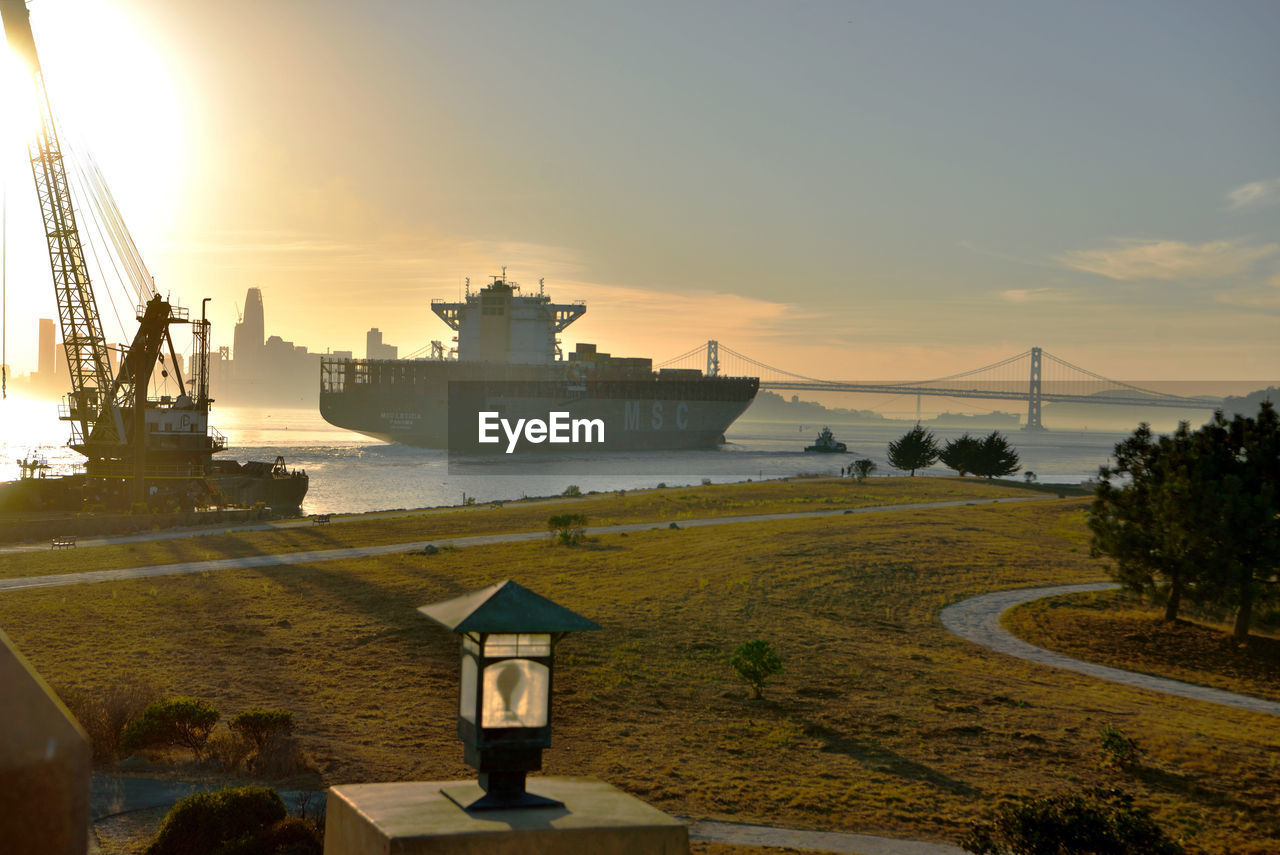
249	334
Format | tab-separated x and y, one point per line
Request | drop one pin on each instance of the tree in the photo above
862	469
1197	515
1141	522
995	457
917	449
1237	482
963	454
755	662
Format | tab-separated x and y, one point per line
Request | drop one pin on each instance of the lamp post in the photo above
509	635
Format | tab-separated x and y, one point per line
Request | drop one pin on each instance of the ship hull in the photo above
647	414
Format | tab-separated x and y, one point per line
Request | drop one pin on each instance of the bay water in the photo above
353	473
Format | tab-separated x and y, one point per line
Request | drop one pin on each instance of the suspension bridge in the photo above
1033	376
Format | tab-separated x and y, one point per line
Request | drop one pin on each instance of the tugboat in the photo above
826	444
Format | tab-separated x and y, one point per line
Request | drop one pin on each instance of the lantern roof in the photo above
505	607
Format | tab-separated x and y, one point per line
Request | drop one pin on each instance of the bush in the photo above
234	821
259	726
105	714
1091	822
755	662
567	529
862	469
572	491
1118	751
181	722
228	751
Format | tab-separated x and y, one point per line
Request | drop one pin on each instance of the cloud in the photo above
1032	295
1172	260
1254	193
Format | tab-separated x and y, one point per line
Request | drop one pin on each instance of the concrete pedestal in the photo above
416	818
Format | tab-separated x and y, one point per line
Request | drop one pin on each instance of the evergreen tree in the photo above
862	469
1237	511
996	457
963	454
917	449
1197	515
1137	521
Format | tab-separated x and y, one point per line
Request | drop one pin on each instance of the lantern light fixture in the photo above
509	635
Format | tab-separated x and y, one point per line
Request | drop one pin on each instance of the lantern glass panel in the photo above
512	644
467	694
516	694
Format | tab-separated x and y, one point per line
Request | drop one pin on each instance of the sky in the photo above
857	190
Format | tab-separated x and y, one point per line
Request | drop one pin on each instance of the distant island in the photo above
1247	405
772	407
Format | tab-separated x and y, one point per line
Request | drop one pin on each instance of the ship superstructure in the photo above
508	359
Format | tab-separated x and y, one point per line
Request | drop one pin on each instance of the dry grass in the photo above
1114	629
882	722
668	505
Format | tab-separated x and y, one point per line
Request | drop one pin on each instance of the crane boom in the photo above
149	446
85	345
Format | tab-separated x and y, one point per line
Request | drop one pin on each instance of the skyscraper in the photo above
249	336
44	358
375	349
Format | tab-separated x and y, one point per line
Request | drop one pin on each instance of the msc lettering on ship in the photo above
657	418
558	428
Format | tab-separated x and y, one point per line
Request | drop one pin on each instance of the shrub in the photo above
228	751
1118	751
1091	822
572	491
567	529
862	469
182	722
755	662
105	714
234	821
259	726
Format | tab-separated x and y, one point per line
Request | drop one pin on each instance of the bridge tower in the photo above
713	358
1035	390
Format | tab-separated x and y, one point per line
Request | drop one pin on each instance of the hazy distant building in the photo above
260	370
44	359
375	349
247	345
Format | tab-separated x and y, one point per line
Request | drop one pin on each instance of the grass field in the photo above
659	506
882	722
1112	628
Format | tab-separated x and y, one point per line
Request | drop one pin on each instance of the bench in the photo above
63	541
321	519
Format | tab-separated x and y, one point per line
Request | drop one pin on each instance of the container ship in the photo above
508	361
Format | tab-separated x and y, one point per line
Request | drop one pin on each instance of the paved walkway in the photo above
821	841
311	556
978	620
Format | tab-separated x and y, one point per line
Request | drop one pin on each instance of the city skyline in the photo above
843	190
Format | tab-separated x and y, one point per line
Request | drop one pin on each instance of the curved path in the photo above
978	620
310	556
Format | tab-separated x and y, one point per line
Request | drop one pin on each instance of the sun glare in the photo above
116	98
18	120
